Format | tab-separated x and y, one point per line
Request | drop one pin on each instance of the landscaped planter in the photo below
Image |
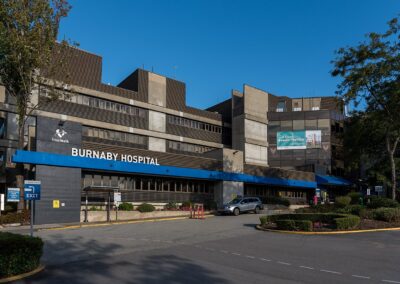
101	216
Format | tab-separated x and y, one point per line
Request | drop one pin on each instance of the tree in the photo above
28	46
370	75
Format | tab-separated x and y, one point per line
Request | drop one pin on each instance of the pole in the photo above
32	218
86	207
108	207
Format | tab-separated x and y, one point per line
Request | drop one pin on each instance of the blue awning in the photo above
331	180
50	159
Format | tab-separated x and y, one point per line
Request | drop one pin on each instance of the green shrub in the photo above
276	200
378	202
19	254
351	209
94	208
294	225
263	220
125	206
387	214
13	217
355	197
146	207
186	204
347	222
171	206
342	201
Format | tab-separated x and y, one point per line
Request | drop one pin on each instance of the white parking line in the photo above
390	281
264	259
250	256
330	271
284	263
360	276
224	251
307	267
235	253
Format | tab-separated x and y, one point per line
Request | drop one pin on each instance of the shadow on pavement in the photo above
78	260
174	269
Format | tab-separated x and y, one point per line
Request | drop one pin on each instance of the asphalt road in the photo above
223	249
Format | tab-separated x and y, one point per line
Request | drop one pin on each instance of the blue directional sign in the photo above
32	190
13	194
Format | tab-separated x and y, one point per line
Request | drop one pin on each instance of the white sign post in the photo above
117	200
1	203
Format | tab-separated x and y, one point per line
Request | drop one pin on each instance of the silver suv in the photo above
242	204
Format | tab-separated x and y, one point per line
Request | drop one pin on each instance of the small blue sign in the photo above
32	190
13	194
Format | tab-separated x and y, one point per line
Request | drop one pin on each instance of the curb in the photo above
118	223
23	275
258	227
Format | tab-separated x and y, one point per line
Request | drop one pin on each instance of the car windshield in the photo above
234	201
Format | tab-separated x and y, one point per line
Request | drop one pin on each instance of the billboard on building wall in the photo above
294	140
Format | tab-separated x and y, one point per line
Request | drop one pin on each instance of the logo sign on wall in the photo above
13	194
293	140
60	135
32	190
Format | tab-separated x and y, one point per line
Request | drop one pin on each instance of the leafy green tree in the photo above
28	46
370	75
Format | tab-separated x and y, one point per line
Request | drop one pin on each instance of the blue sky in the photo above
283	47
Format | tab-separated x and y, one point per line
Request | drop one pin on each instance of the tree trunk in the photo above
391	151
20	166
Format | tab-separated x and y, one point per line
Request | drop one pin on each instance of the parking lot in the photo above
221	249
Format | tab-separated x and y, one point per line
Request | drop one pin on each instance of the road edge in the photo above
23	275
258	227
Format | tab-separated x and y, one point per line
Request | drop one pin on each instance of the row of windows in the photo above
186	147
114	135
102	104
147	184
177	120
308	124
323	153
268	192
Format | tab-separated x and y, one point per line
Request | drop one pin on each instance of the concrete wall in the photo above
157	90
232	161
58	183
255	126
157	121
225	191
256	154
2	94
157	144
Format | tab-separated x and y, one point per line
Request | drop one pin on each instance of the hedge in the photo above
342	201
146	207
294	225
125	206
13	217
171	206
355	197
378	202
348	222
387	214
339	221
19	254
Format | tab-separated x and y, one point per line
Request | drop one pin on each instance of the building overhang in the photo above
58	160
331	180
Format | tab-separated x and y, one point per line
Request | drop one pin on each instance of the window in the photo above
281	106
2	127
315	108
193	124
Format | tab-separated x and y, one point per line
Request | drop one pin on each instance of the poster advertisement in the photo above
303	139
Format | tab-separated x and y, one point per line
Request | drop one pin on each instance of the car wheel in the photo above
257	210
236	212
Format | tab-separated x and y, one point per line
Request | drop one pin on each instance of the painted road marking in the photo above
235	253
390	281
307	267
264	259
250	256
360	276
224	251
284	263
330	271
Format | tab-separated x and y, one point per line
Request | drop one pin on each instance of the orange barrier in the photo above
197	211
